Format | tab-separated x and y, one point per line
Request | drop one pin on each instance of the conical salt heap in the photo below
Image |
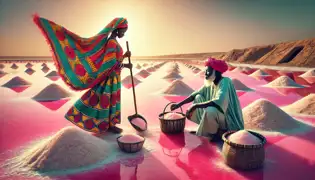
238	69
284	81
16	82
145	64
247	69
2	66
52	92
263	115
240	86
2	73
173	75
52	73
69	148
28	65
143	73
45	69
29	71
309	73
44	64
196	70
128	83
14	66
178	88
259	73
304	106
138	66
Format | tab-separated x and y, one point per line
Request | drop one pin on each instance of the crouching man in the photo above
216	107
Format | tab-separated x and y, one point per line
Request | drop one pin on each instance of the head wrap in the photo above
218	65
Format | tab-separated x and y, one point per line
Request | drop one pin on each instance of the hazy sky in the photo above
161	26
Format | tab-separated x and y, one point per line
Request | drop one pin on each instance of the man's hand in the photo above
127	54
174	106
190	111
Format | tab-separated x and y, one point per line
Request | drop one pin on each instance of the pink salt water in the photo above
172	116
139	123
244	137
130	138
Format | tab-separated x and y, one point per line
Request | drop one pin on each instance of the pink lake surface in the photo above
181	156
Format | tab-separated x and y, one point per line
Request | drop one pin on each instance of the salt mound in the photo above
172	116
139	123
240	86
16	82
178	87
259	72
14	66
52	92
173	75
263	115
45	69
138	66
44	64
29	71
247	69
305	106
130	138
2	73
143	73
127	81
2	66
28	65
70	148
309	73
52	73
284	81
244	137
238	69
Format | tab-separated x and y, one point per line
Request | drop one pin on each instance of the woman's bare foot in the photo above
115	130
192	132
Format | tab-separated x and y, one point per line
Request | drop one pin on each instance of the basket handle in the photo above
169	104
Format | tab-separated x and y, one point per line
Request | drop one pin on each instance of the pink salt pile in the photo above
172	116
305	106
45	69
130	138
259	73
178	88
70	148
28	65
29	71
143	73
263	115
14	66
52	92
140	123
16	82
201	73
127	82
138	66
52	73
247	69
172	75
309	73
240	86
44	64
284	82
244	137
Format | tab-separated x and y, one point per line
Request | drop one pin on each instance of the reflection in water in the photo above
172	145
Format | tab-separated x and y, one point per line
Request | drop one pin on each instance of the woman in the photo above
90	63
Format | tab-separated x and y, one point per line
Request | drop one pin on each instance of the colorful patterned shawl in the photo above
81	62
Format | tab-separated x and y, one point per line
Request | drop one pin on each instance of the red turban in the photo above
217	65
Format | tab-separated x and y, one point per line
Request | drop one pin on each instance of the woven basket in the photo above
130	147
172	126
244	157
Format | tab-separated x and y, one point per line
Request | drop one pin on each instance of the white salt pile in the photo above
14	66
140	123
52	73
240	86
28	65
244	137
263	115
179	88
172	75
45	69
309	73
259	73
284	81
130	138
29	71
143	73
16	82
128	83
70	148
172	116
304	106
145	64
52	92
138	66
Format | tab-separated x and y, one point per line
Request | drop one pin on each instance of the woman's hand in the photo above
127	54
129	66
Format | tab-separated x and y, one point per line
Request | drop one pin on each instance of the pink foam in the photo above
139	123
130	138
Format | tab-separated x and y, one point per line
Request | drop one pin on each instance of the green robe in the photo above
224	95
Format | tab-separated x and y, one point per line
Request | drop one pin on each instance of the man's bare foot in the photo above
115	130
192	132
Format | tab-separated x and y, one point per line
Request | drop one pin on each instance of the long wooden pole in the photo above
133	85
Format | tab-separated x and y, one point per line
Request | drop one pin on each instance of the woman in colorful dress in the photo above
93	64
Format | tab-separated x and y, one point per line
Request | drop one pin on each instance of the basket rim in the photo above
161	116
261	137
129	143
